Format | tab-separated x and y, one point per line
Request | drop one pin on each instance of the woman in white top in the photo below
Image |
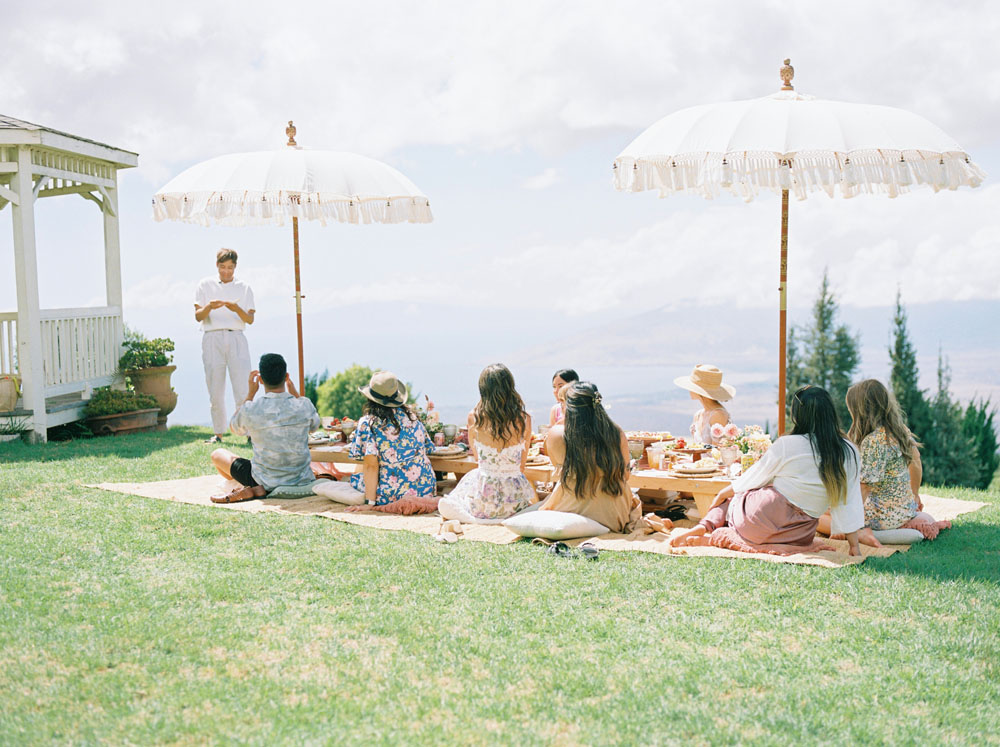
499	436
705	385
775	506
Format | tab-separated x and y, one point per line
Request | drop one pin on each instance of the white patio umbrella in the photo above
269	187
788	142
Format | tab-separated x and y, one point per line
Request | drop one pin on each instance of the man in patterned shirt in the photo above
278	423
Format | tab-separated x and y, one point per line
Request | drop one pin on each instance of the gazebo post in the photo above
112	260
29	325
112	247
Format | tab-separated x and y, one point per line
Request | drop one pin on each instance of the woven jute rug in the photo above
197	491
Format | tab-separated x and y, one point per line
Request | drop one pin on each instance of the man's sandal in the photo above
237	495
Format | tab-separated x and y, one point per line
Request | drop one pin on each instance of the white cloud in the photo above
184	84
544	180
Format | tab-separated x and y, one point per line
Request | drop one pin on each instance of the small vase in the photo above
746	462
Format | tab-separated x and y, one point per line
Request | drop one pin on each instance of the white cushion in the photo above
553	525
341	492
900	536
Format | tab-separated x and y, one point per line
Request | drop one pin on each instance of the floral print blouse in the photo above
891	502
404	465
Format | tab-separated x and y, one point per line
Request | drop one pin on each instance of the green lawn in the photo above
124	619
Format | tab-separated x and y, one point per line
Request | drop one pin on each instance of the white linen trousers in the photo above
224	349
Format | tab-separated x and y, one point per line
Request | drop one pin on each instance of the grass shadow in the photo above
969	551
135	445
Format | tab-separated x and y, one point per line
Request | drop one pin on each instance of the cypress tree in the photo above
979	427
950	457
905	377
829	355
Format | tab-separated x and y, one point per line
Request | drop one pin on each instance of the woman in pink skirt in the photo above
775	506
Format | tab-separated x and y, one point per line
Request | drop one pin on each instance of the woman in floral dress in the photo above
499	434
393	445
890	461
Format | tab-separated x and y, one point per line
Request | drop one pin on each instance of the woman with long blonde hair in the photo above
890	461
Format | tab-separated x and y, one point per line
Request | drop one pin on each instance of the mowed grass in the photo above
124	619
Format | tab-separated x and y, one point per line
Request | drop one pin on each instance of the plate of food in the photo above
649	437
448	452
701	467
537	459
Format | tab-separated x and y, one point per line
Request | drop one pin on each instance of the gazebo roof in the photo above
15	131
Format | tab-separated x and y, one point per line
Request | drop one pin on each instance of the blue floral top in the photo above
404	466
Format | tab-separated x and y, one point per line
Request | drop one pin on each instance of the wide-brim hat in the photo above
706	381
385	389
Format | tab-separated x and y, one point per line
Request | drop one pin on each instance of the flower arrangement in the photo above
725	435
753	441
430	417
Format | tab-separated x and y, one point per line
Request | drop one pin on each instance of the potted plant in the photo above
146	363
12	426
116	411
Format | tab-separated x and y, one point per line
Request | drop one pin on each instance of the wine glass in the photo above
728	455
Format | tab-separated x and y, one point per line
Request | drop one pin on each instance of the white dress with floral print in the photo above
497	489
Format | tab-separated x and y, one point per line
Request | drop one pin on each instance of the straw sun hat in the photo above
706	381
385	389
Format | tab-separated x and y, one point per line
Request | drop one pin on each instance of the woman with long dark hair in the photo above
560	379
499	436
776	505
592	452
396	474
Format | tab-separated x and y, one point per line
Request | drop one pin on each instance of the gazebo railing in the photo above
8	343
80	347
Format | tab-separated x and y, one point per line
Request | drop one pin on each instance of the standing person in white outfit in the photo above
224	306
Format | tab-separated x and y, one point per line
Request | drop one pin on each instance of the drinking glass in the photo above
635	449
728	455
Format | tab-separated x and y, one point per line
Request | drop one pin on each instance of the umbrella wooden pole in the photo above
782	312
298	305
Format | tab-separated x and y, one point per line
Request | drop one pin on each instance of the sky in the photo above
509	116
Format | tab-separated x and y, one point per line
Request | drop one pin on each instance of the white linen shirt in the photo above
790	466
279	426
213	289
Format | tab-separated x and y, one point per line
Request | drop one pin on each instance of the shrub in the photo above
142	353
107	401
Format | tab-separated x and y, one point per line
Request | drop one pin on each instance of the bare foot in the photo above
866	537
688	537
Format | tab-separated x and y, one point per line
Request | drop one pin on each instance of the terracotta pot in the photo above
155	381
124	422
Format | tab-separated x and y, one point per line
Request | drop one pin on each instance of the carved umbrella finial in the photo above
290	131
787	73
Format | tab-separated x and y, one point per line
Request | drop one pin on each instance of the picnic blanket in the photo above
197	490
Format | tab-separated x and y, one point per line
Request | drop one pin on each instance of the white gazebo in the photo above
59	354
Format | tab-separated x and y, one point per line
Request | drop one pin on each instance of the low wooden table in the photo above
339	455
704	489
